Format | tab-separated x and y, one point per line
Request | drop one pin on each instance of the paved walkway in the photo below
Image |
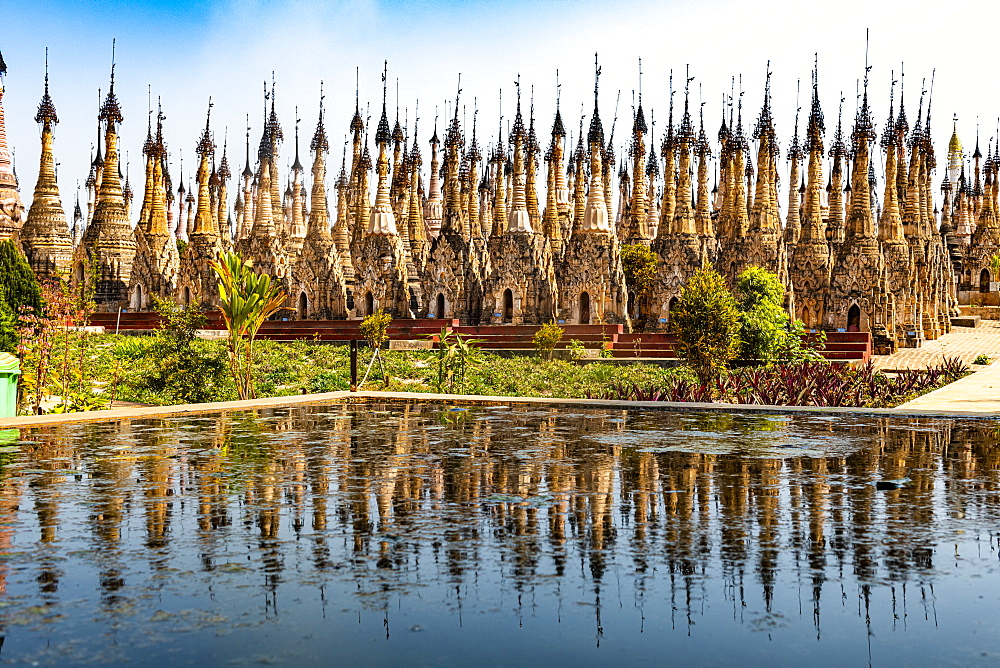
978	392
964	342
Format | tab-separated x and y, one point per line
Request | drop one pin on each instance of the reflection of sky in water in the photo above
767	437
420	534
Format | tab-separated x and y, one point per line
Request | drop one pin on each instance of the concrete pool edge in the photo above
130	413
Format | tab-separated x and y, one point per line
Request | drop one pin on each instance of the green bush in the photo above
576	349
981	359
546	339
707	322
763	322
178	366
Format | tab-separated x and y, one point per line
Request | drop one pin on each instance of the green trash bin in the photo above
9	371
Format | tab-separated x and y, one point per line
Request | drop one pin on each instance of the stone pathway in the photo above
964	342
977	393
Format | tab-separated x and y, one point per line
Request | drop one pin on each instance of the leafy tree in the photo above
639	265
8	328
246	299
19	292
707	321
764	326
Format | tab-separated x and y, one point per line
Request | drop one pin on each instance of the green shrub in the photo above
981	359
576	349
763	322
546	339
189	371
707	322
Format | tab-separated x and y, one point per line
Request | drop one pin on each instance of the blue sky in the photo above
187	51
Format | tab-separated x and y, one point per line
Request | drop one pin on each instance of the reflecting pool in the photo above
428	534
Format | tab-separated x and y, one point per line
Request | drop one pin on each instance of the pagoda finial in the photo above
46	109
319	140
817	126
795	150
889	131
596	133
205	146
640	81
110	111
297	164
382	134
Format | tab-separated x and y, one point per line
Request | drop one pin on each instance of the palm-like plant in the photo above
995	266
247	299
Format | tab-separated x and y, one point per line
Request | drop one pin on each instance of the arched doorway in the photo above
303	306
440	305
187	296
80	273
630	306
137	298
671	305
984	280
584	308
508	305
369	303
854	318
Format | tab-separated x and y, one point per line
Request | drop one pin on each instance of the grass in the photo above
297	367
148	372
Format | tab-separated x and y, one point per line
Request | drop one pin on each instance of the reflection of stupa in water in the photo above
538	505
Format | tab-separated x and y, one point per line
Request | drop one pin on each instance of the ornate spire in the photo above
46	115
319	217
203	222
382	134
297	164
382	220
596	133
45	235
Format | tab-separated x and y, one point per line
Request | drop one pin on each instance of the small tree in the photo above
546	339
375	329
456	356
247	299
764	326
707	321
639	265
995	266
19	291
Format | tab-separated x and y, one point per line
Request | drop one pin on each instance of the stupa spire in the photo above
382	220
203	222
45	235
319	217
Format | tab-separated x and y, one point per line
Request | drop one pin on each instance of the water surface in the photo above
386	534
